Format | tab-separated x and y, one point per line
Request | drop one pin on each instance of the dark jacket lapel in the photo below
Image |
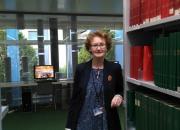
105	72
87	72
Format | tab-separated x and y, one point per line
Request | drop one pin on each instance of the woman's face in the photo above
98	47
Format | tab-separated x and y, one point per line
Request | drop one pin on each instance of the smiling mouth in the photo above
99	51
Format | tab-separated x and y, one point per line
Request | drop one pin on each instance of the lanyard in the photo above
100	94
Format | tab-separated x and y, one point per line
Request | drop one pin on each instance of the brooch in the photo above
109	77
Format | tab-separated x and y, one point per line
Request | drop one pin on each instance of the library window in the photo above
32	35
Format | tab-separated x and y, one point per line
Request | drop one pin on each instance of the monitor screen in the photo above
43	71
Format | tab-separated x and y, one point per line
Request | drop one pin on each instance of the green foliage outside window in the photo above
2	55
83	55
28	51
2	35
25	50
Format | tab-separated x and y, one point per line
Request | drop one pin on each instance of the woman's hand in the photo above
116	101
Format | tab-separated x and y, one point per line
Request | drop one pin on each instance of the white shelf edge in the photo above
158	22
152	86
4	111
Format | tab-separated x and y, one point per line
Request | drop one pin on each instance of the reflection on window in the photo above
62	61
47	54
32	35
46	34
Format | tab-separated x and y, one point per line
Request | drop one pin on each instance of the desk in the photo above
63	82
24	98
63	90
17	84
59	87
31	83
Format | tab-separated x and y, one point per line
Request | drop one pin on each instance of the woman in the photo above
97	90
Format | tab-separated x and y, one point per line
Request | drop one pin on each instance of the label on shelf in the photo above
176	12
171	11
178	88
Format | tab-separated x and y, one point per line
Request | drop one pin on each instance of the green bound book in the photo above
155	60
178	61
176	122
163	67
131	105
154	119
136	110
174	69
170	117
171	60
164	116
166	69
161	115
160	62
157	118
146	114
143	112
156	48
138	97
150	117
140	104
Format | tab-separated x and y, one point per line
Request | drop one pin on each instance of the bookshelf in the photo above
144	33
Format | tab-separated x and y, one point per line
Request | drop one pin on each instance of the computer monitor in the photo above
44	72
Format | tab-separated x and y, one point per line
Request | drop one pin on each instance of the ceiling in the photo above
90	13
63	6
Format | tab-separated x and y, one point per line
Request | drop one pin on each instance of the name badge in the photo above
98	111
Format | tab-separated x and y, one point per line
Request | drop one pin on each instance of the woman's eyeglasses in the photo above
101	45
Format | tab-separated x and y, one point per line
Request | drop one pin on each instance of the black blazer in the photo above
113	84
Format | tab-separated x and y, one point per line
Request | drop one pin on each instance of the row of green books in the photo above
166	54
131	105
152	113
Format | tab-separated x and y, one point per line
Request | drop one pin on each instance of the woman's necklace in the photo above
97	68
98	73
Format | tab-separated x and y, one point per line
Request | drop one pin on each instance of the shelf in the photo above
4	111
155	23
152	86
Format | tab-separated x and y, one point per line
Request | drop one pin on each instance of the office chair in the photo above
43	93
